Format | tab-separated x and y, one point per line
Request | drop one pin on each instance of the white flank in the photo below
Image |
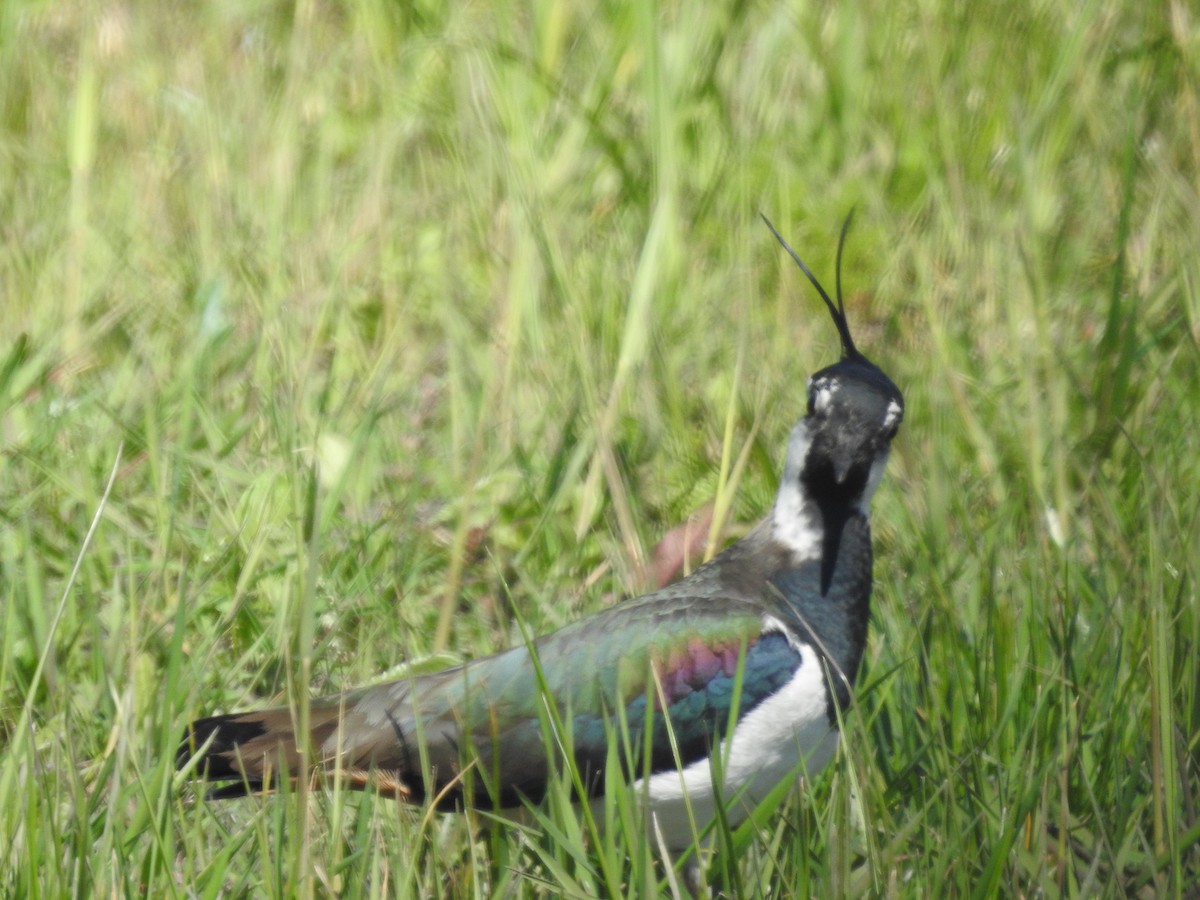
793	523
768	744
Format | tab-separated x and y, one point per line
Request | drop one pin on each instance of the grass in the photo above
397	324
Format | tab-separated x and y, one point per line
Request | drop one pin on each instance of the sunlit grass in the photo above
402	324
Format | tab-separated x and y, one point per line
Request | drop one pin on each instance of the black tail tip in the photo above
217	738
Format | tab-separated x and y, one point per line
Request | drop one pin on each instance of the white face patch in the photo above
892	415
823	392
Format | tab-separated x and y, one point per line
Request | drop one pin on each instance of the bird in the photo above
753	655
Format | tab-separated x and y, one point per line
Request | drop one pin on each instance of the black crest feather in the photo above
838	311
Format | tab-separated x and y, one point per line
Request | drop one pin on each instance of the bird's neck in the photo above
826	583
797	521
812	507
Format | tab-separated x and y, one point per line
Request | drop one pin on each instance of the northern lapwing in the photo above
755	654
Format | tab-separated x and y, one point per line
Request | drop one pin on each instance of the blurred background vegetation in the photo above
336	336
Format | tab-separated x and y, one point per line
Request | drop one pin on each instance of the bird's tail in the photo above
251	752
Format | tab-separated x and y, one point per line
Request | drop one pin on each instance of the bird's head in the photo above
839	449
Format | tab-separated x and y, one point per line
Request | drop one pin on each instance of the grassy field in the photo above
341	337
